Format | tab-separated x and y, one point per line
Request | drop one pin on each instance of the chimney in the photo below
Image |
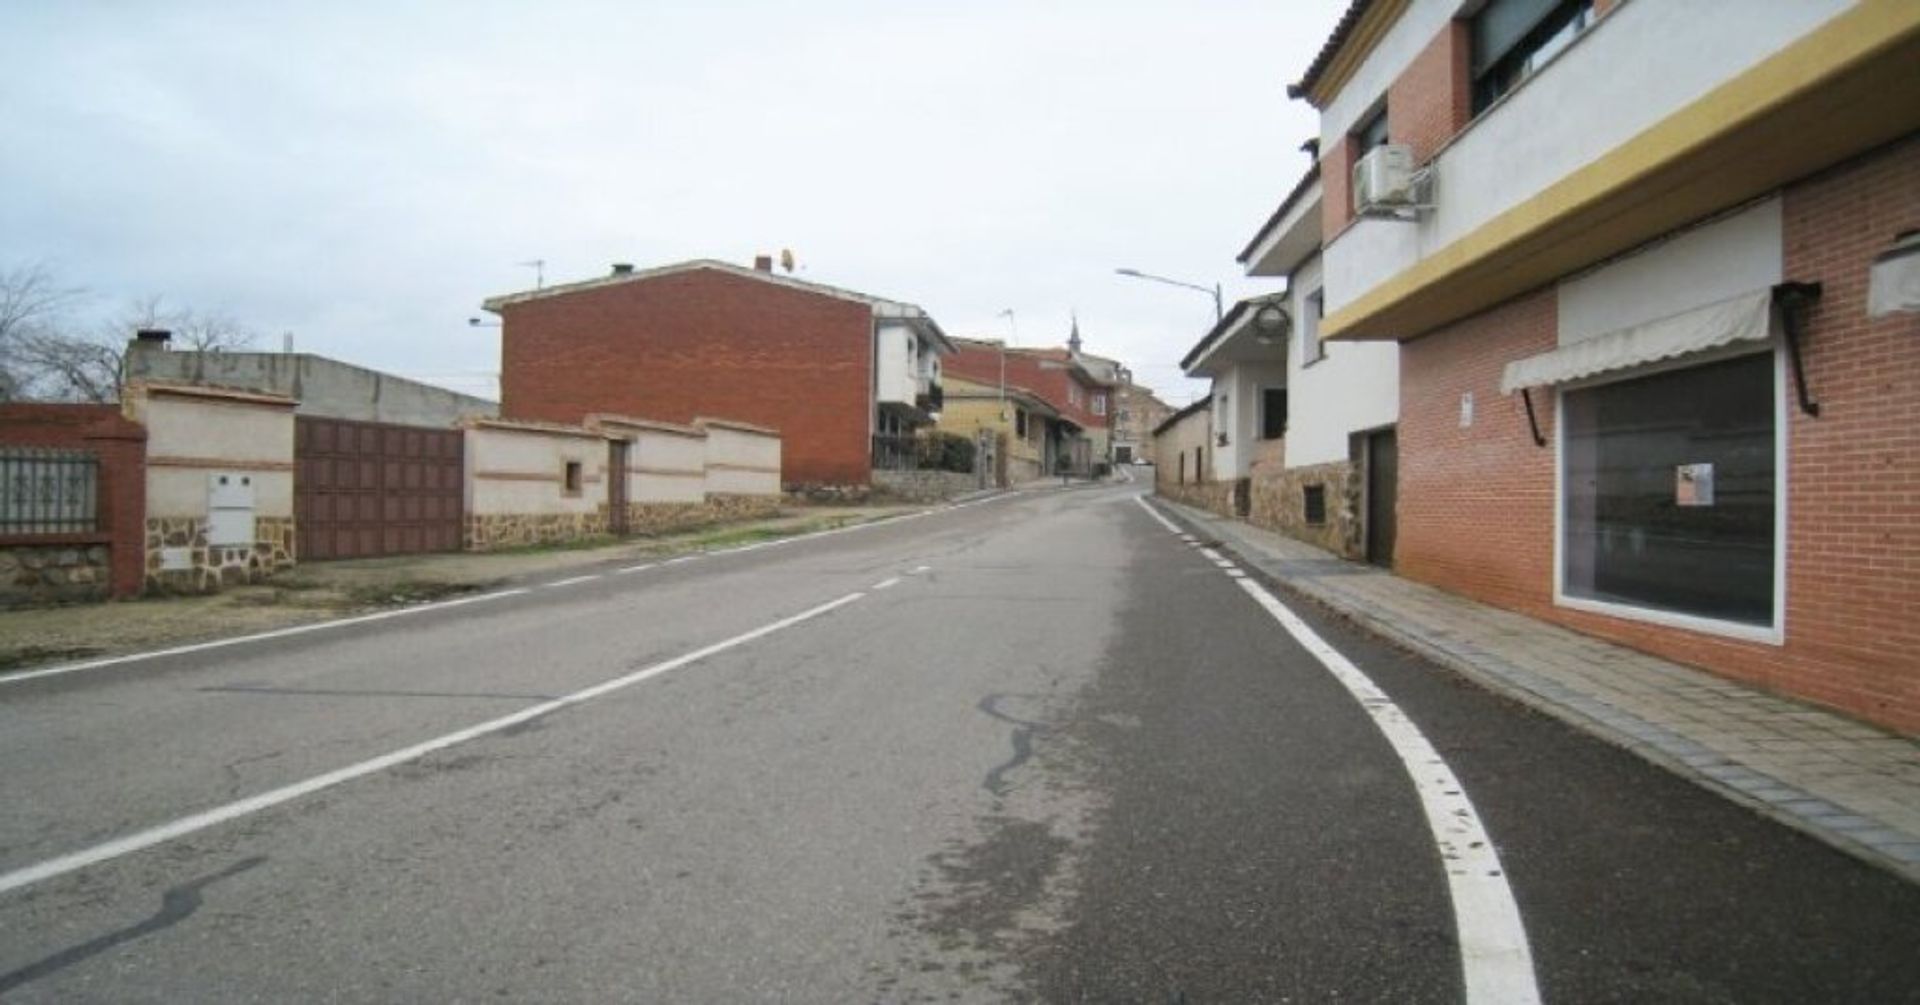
623	268
763	263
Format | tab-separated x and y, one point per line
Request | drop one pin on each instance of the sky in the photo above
364	174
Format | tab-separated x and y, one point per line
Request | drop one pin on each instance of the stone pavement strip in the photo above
1849	784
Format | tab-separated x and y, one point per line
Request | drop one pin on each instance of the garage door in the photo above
363	489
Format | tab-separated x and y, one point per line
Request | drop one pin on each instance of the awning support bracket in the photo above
1526	395
1793	300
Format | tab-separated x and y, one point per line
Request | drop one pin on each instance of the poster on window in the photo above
1693	485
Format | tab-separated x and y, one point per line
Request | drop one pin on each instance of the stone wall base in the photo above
494	531
820	494
210	567
1279	504
924	486
497	531
33	574
1214	497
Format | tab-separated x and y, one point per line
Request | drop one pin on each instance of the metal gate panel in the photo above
363	489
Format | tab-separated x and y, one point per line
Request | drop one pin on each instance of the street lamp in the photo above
1219	308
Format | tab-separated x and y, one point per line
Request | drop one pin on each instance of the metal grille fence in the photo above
48	491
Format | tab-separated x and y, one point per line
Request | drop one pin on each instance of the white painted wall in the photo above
1354	386
666	466
523	471
1633	68
1240	418
742	461
1737	254
236	438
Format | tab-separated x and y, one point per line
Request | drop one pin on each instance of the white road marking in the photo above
1494	956
683	558
1164	522
919	569
886	584
569	582
277	633
253	804
635	568
1495	959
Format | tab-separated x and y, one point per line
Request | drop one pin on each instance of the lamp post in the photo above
1013	326
1219	306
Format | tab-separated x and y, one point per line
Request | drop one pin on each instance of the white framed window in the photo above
1671	497
1099	404
1311	351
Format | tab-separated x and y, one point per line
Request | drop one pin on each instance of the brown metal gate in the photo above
617	486
366	488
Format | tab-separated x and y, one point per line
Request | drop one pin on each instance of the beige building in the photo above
1021	422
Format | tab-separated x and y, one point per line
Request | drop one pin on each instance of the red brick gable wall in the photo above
702	343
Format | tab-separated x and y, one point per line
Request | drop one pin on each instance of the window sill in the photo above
1765	634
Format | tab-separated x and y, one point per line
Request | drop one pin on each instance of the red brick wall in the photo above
1476	506
1429	103
1336	177
702	343
121	446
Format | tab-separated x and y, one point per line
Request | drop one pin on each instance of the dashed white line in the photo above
631	569
886	584
277	633
683	558
231	811
918	569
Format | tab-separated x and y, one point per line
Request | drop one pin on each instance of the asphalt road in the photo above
1034	749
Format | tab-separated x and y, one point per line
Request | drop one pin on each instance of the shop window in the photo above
1314	502
1273	413
1669	492
1514	38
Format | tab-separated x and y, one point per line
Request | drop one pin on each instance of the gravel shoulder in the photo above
321	590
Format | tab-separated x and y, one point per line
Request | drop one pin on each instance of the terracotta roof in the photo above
1357	26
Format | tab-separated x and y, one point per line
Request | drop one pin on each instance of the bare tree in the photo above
33	304
42	355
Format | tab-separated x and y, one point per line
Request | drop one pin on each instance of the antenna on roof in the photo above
786	259
539	266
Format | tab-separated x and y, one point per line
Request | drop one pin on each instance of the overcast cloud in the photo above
364	174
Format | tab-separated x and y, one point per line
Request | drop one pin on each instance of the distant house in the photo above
1028	429
1081	398
842	376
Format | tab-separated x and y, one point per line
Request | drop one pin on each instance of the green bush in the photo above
939	451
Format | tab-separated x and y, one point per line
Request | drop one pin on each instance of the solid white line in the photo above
277	633
1494	956
887	583
569	582
635	568
683	558
253	804
1164	522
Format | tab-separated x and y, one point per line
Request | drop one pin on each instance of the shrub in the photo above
942	451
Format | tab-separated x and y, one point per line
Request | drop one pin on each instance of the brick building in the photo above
839	374
1659	355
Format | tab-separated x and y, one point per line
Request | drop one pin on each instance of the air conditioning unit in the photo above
1383	178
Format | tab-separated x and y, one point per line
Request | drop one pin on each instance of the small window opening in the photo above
1314	498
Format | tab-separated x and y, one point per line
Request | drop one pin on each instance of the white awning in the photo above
1745	318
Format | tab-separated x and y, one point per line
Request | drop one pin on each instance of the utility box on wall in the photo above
229	509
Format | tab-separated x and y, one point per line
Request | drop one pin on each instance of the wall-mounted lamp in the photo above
1271	324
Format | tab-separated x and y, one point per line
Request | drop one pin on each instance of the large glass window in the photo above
1669	491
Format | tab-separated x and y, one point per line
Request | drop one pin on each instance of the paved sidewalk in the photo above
1852	785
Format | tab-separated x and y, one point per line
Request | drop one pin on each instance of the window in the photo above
1372	133
1183	467
1273	413
1669	492
1099	404
1073	394
1020	423
1313	500
1310	348
573	478
1513	38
